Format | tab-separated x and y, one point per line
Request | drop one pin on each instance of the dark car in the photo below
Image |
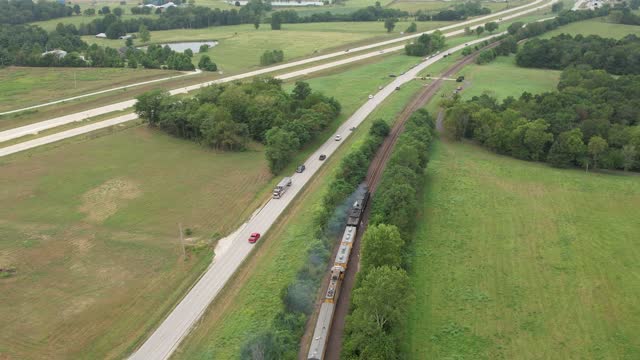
460	78
322	157
300	168
254	237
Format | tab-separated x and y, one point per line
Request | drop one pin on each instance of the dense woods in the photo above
615	56
227	117
24	11
282	339
382	292
592	120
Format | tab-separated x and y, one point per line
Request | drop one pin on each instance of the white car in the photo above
337	138
370	96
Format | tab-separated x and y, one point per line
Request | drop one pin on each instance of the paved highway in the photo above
166	338
67	119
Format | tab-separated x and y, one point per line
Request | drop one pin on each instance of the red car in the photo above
254	237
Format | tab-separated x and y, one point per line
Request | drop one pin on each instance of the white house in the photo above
101	36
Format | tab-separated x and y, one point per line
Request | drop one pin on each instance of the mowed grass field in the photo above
517	260
502	78
413	6
24	86
240	46
252	299
598	26
91	228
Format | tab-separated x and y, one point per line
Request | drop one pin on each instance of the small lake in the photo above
182	46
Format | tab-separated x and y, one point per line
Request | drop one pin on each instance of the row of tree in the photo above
227	117
24	11
592	120
459	12
615	56
281	340
374	327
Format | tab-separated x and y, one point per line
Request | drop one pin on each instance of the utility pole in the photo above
184	254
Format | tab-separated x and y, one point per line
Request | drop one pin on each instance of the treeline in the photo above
24	11
382	293
459	12
24	45
282	339
615	56
370	13
425	44
592	120
227	117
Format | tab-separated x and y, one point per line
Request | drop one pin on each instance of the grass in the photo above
434	6
502	78
240	46
598	26
92	231
517	260
50	25
253	298
25	86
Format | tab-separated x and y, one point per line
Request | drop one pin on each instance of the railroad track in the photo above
374	174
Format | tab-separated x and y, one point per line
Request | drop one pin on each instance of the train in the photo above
325	317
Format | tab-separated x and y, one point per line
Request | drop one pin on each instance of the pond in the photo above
182	46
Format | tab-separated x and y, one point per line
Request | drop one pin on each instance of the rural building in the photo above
101	36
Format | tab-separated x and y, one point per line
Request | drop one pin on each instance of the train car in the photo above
333	290
356	211
321	332
342	257
349	235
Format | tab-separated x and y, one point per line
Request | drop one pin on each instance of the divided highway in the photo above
166	338
83	115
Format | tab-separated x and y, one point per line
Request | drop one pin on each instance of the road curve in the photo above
166	338
67	119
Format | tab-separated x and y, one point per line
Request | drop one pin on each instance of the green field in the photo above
240	46
598	26
502	78
517	260
253	299
433	6
91	227
50	25
25	86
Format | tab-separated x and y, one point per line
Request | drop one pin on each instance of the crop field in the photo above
501	78
598	26
253	298
517	260
240	46
25	86
91	229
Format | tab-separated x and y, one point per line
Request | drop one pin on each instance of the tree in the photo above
116	30
256	22
188	52
128	42
479	30
281	145
206	64
634	4
381	245
89	12
117	12
390	24
567	149
514	27
491	26
76	9
597	146
629	154
371	300
204	48
379	128
105	10
412	28
557	7
536	138
276	21
301	91
149	105
144	33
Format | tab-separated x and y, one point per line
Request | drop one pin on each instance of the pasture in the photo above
517	260
25	86
251	301
598	26
433	6
91	229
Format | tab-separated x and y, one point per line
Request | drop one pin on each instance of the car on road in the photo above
322	157
466	44
300	168
254	238
397	87
337	138
370	96
352	128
